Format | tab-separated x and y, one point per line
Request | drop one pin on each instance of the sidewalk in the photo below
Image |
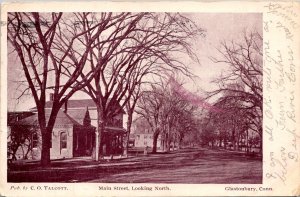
72	170
64	170
84	162
71	163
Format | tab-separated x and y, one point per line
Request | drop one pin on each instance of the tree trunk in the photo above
167	141
45	154
126	142
169	145
99	133
155	137
29	149
46	131
169	138
233	140
238	141
261	141
129	122
260	146
247	144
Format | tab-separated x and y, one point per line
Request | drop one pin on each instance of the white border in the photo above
91	189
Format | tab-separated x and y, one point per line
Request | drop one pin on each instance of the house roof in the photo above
72	117
77	114
82	103
13	117
75	104
61	119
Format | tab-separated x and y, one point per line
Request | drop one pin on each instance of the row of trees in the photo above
239	96
107	55
167	113
234	117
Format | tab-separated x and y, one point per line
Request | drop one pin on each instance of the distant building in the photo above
144	138
74	131
143	135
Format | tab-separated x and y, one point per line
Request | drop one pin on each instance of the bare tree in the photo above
168	114
47	48
150	108
240	89
245	61
20	138
136	44
178	115
136	84
186	125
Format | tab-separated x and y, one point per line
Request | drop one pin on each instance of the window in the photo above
34	140
63	140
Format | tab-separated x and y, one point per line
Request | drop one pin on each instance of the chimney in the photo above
51	97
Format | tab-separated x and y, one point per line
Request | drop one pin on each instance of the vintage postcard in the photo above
150	98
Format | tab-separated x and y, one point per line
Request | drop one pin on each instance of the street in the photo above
194	166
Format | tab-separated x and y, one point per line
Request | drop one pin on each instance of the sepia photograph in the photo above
135	97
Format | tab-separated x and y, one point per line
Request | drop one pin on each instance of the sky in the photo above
219	27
